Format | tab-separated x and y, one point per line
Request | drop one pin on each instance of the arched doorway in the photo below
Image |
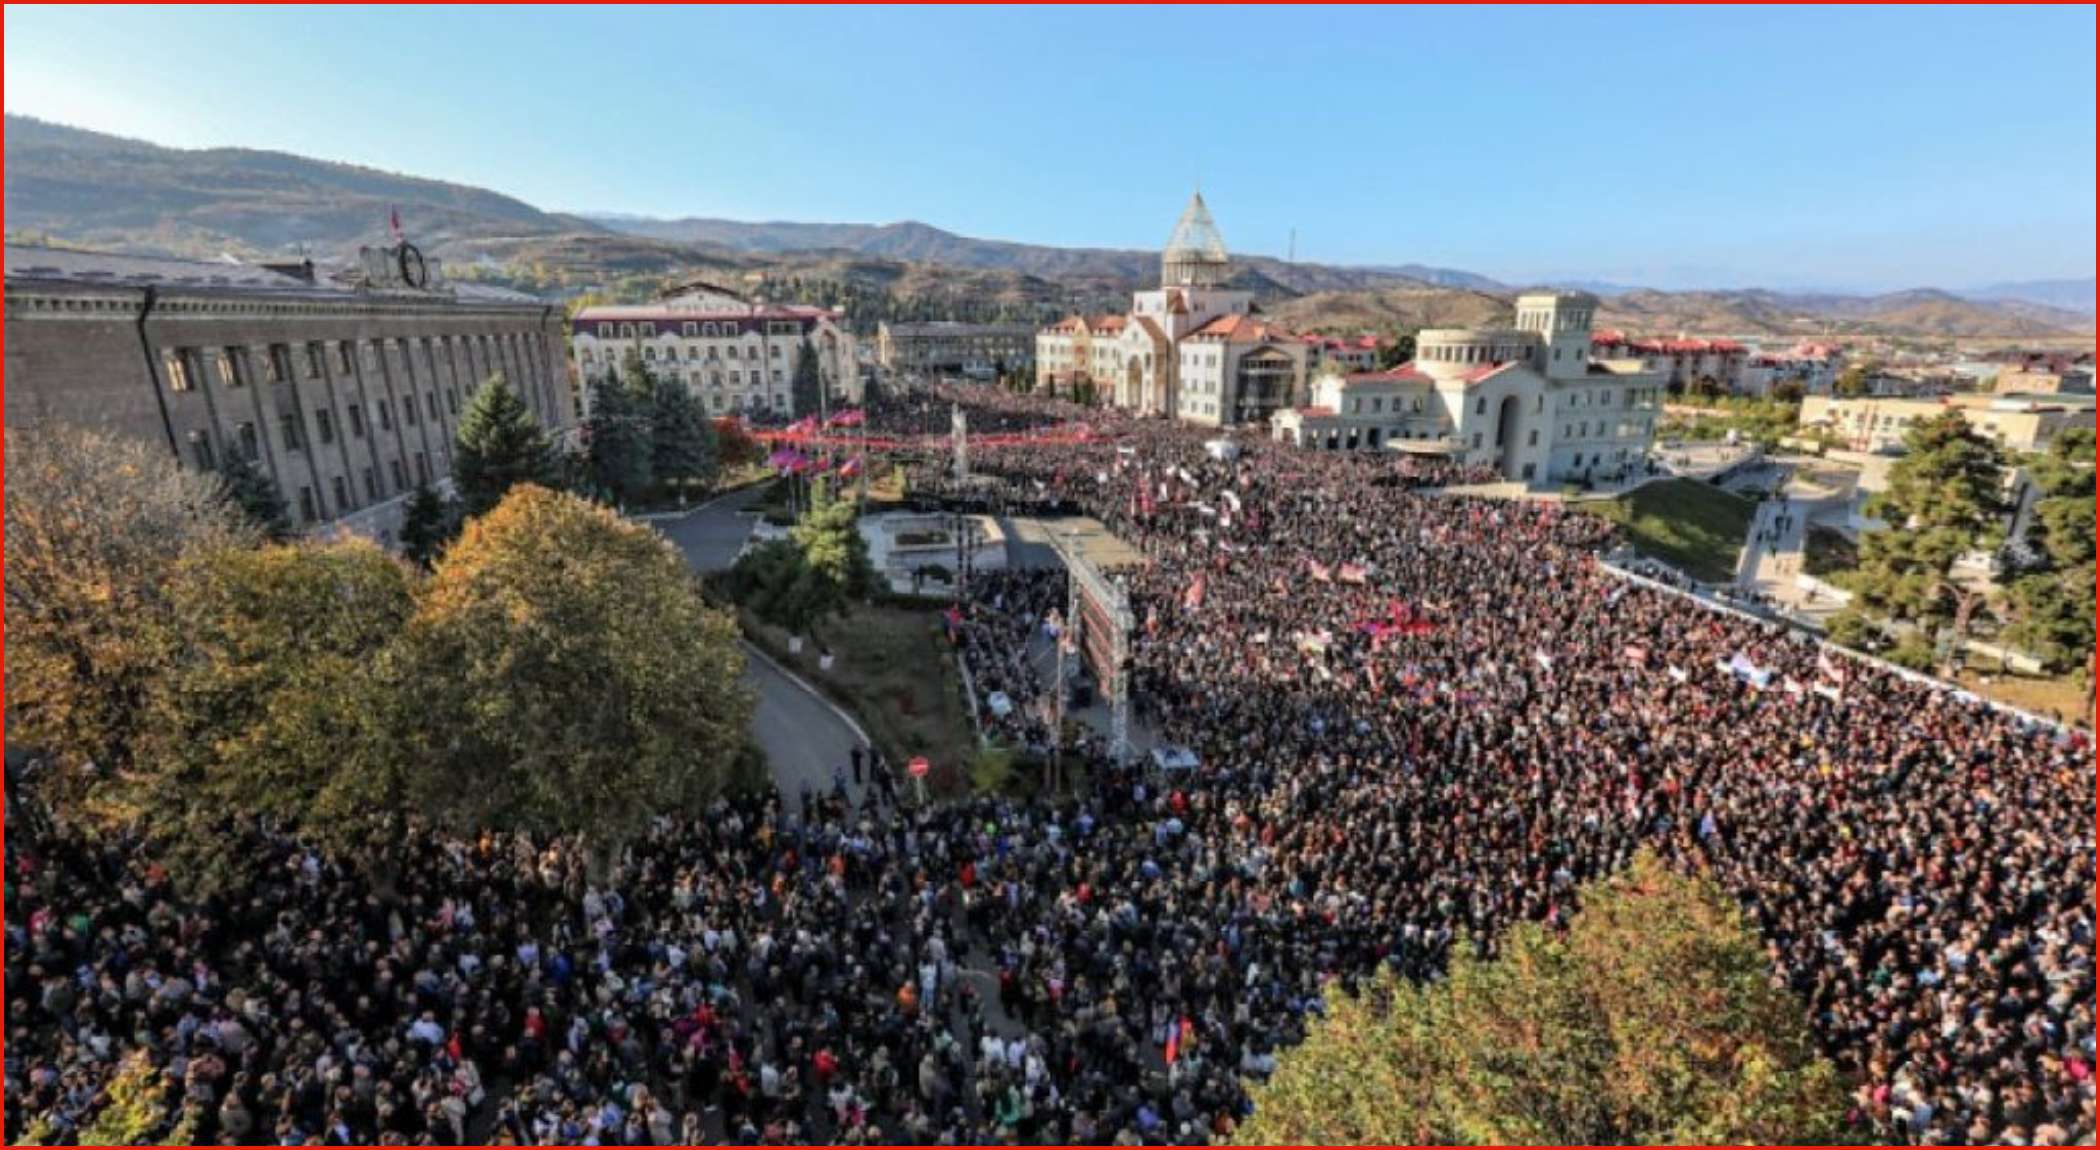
1506	435
1134	384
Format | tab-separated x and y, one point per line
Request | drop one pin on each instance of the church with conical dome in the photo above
1191	348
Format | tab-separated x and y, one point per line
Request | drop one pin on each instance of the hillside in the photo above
1113	269
102	191
1390	309
1924	312
2070	295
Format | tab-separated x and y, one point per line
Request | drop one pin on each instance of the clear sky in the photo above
1865	148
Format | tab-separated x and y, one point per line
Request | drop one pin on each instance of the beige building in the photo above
1529	401
1078	349
2041	376
1191	348
735	355
344	389
946	347
1879	424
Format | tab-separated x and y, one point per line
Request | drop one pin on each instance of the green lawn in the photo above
1695	527
2061	696
893	668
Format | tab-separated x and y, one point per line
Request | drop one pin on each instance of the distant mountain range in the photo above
2068	295
75	187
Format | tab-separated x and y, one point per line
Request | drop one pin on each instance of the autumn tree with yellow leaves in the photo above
1654	1019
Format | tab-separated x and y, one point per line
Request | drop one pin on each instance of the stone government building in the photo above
736	355
1531	401
947	347
344	389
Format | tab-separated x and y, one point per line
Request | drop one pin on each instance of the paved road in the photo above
804	739
712	535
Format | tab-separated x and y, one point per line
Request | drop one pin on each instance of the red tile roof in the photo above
1610	337
1486	370
1239	329
1404	373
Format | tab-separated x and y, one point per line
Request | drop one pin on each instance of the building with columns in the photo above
736	355
1530	401
947	347
1191	348
344	389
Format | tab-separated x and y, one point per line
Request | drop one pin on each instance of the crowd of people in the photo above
1003	637
1420	718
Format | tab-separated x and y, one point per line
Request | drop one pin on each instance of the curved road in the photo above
803	737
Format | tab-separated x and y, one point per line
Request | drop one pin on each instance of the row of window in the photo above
184	367
353	412
746	401
1619	431
311	506
702	329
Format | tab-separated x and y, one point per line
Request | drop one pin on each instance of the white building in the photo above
736	355
1190	348
1682	361
1529	401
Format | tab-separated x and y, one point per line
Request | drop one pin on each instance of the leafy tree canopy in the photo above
574	680
95	526
1654	1020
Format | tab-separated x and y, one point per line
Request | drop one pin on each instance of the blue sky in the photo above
1864	148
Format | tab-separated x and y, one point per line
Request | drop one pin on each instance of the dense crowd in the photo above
1004	637
1419	717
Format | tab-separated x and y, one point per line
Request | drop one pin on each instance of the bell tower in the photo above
1562	321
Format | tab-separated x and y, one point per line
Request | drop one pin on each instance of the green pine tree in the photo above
808	384
426	525
617	436
828	536
684	452
258	499
1945	499
500	446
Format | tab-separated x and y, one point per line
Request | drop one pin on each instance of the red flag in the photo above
1179	1036
393	221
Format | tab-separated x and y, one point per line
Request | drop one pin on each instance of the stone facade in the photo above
1880	424
1529	401
736	356
943	347
344	392
1190	348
